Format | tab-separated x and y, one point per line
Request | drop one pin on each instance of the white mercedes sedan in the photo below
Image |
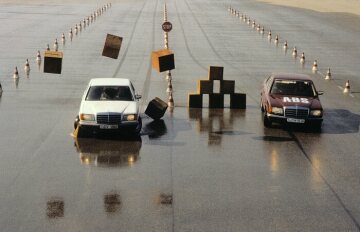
109	105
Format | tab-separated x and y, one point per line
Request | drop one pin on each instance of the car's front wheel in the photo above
266	121
138	128
316	126
76	122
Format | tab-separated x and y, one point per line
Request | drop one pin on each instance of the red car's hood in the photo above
283	100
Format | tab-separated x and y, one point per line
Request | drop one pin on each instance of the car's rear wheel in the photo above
266	121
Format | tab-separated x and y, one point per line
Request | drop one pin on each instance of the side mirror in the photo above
137	96
320	92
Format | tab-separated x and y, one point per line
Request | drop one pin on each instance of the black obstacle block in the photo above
205	86
238	101
156	108
53	62
163	60
216	73
112	46
216	100
195	100
227	87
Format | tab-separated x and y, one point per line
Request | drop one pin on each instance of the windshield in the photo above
109	93
293	87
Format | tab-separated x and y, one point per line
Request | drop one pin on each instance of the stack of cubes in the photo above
216	100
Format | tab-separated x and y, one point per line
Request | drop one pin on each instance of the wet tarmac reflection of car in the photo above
108	153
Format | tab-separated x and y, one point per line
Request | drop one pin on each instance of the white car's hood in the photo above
123	107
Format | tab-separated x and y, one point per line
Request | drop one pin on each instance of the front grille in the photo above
296	112
108	118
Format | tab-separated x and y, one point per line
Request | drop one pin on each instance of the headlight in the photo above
130	117
87	117
277	110
316	113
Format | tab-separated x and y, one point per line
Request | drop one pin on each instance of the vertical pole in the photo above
168	74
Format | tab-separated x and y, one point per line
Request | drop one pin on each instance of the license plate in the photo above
296	120
109	127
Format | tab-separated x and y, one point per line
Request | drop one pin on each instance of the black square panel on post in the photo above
53	62
112	46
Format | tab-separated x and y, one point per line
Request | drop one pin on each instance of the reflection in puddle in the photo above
274	161
112	202
155	129
217	123
16	82
55	208
108	153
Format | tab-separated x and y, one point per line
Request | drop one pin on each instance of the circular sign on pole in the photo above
167	26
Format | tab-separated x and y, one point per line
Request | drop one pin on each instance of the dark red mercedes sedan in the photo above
291	98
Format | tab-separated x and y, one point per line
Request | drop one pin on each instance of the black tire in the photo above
76	122
262	107
316	127
266	121
138	128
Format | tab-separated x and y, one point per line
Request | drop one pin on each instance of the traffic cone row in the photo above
77	29
85	22
261	29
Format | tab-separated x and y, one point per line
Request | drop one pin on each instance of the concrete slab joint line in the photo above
216	100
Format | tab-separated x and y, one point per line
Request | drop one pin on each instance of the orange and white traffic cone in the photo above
16	73
27	68
302	59
315	66
328	75
347	87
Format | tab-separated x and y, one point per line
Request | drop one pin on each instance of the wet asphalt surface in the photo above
194	170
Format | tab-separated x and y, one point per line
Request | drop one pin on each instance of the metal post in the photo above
168	74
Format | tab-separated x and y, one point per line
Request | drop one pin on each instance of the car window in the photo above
268	82
293	87
109	93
